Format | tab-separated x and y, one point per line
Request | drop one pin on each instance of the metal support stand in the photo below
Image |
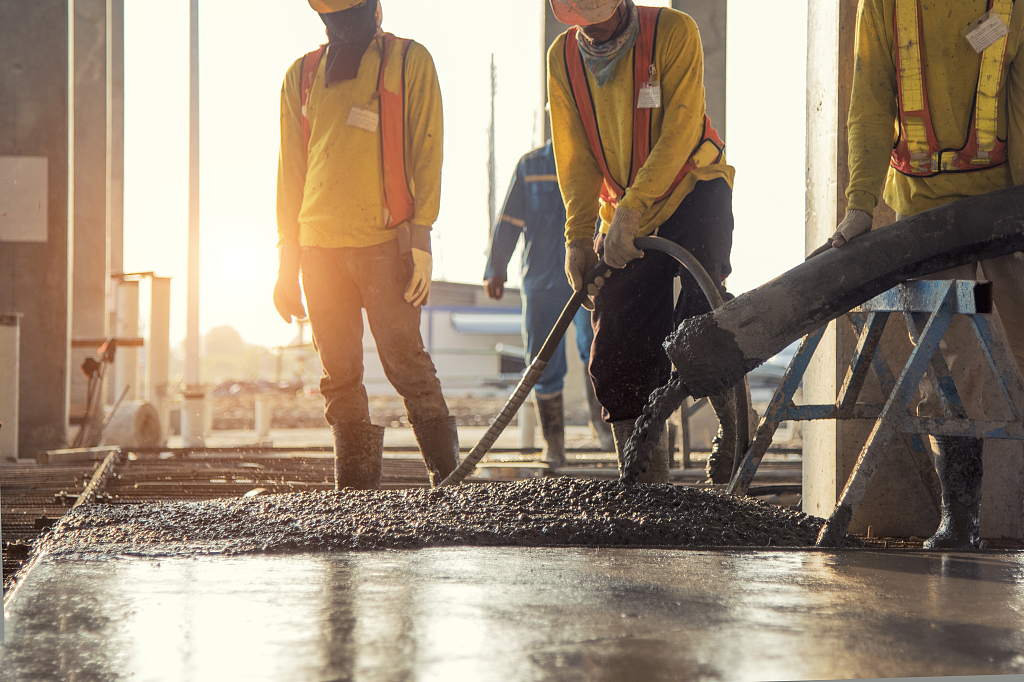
928	308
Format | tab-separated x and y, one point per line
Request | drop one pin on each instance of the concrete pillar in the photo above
126	359
711	20
92	252
158	349
36	53
902	499
10	340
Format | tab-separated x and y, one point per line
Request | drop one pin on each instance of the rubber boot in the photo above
657	468
599	428
358	449
551	414
439	445
719	468
958	463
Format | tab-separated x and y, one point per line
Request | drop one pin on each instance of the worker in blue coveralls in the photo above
534	208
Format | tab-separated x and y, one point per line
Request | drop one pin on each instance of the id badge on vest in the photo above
984	31
650	92
363	119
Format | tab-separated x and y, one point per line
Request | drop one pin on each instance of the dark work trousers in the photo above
633	311
338	283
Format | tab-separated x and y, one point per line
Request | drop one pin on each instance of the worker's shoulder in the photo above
417	56
294	72
672	22
538	156
557	49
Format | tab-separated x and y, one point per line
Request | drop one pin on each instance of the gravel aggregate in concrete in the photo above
534	512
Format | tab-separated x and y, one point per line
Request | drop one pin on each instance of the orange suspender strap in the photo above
399	206
309	66
398	201
643	69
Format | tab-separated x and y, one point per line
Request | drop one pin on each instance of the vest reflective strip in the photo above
541	178
710	150
917	151
398	201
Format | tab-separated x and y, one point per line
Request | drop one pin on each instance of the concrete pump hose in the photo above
714	296
533	373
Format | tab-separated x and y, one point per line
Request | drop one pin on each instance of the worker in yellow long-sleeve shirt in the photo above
359	182
936	115
636	152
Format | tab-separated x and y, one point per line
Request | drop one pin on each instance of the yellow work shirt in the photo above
951	68
337	199
676	130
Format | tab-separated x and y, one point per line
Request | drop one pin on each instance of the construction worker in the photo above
359	182
942	81
533	207
634	147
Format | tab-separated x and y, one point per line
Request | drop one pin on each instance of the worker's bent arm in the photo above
679	62
873	107
424	128
291	162
509	226
579	176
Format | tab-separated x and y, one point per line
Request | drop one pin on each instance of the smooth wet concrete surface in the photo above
505	613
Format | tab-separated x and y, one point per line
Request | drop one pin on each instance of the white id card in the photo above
650	95
364	119
984	31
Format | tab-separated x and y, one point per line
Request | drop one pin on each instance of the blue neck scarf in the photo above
601	58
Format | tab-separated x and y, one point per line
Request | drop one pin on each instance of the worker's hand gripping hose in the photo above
640	446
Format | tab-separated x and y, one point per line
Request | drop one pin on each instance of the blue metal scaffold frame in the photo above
928	307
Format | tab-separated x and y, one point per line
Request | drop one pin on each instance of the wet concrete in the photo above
514	614
534	512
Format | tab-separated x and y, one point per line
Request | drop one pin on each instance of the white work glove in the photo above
618	243
856	223
287	292
580	258
419	284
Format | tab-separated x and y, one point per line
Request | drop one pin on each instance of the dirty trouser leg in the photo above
634	312
334	302
540	313
382	275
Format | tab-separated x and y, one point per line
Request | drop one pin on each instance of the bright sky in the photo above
245	50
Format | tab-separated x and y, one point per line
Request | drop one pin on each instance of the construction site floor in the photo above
514	614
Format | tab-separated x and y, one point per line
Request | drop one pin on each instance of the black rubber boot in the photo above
439	445
551	414
657	469
959	465
599	428
358	448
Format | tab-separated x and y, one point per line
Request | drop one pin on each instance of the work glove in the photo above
618	243
415	240
495	287
580	258
856	223
287	292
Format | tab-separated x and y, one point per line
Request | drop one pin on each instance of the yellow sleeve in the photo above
874	110
680	65
1015	113
579	176
424	128
291	162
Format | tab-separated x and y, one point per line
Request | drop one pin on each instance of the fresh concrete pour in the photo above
536	512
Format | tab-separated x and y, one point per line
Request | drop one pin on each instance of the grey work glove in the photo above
287	291
856	223
618	243
580	258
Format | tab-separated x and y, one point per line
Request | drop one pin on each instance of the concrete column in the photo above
10	340
36	53
158	347
126	359
91	286
711	20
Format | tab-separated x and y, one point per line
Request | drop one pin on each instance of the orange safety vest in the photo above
710	149
917	150
398	201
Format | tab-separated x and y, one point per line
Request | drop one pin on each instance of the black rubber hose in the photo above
714	296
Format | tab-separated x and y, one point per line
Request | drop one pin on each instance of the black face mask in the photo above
349	33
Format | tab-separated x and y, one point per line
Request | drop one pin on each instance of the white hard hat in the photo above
584	12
